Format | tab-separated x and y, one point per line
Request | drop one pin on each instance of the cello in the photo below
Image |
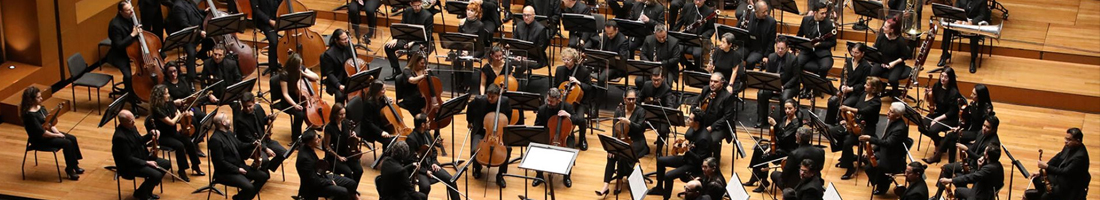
303	41
496	153
396	119
354	65
507	83
559	127
150	64
570	93
431	87
246	60
316	110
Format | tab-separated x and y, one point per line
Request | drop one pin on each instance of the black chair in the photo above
213	184
36	149
118	182
80	78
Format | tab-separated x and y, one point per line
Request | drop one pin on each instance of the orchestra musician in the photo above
895	50
356	9
152	16
229	154
714	183
783	63
655	92
332	64
856	69
337	145
1066	172
699	147
697	10
284	84
315	182
694	190
571	71
250	125
534	32
762	33
165	119
475	117
264	13
555	107
373	127
179	91
866	112
787	132
729	59
415	14
977	11
659	47
473	25
945	94
408	96
34	117
611	41
422	140
988	177
218	68
123	32
805	151
132	157
812	187
819	59
980	108
914	178
890	149
575	7
712	111
495	67
182	15
490	15
988	138
617	169
621	10
649	12
394	182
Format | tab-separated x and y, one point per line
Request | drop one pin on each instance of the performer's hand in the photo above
1043	165
213	99
151	163
563	113
241	170
135	31
644	18
864	138
156	133
271	22
202	34
298	107
436	167
391	43
762	62
945	181
342	159
961	146
771	121
270	153
178	102
574	80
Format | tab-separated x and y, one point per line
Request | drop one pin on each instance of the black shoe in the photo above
752	182
584	145
618	190
973	67
568	182
536	183
943	60
391	78
848	174
183	175
198	172
656	191
78	170
879	191
72	174
201	154
601	193
759	189
477	173
501	182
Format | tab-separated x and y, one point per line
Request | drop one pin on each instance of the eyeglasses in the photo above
631	99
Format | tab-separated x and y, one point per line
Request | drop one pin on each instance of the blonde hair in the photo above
571	53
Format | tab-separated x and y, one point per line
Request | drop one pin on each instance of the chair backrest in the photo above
77	65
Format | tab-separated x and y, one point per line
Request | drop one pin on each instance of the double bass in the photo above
246	60
303	41
150	66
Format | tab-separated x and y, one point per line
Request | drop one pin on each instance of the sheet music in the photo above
735	190
638	189
541	157
831	193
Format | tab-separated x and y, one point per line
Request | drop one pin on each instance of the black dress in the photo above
297	117
726	61
173	139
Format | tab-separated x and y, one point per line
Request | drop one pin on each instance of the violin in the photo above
354	150
681	146
150	66
187	127
964	112
775	140
928	96
621	129
246	60
696	124
852	125
303	41
51	119
431	88
1043	173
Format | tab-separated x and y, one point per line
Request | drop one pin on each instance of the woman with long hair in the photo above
165	118
337	148
34	116
979	109
945	95
408	95
284	87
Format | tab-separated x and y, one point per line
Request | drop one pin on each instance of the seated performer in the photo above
577	75
865	116
688	16
165	119
634	116
988	138
475	117
415	14
285	94
555	107
495	67
914	178
856	69
818	27
714	184
895	50
408	96
659	47
698	148
228	155
357	8
649	12
534	32
1066	172
179	90
251	123
712	111
783	63
34	117
394	182
762	36
987	176
811	186
264	13
337	145
132	157
373	127
332	64
945	98
473	25
787	133
611	41
889	149
218	68
315	181
182	15
805	151
977	11
430	171
729	59
576	7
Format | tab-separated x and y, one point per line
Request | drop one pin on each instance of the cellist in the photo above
123	32
475	113
372	128
332	64
408	95
554	107
285	92
573	72
337	145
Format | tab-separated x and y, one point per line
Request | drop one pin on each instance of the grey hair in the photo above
897	107
660	28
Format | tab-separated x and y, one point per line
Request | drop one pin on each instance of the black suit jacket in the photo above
762	35
668	53
1068	171
264	10
917	190
491	15
790	72
184	14
857	76
307	169
249	127
975	149
227	153
813	29
227	71
423	18
549	8
480	106
118	30
986	179
332	65
790	175
655	12
128	150
718	110
976	10
617	44
891	150
393	181
657	93
812	188
534	33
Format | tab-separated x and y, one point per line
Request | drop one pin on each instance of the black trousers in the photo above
69	146
272	38
344	189
249	183
697	55
877	176
123	66
415	105
893	74
355	9
279	152
832	113
662	137
424	182
152	177
847	142
297	119
812	63
620	11
152	18
350	169
758	156
946	41
391	55
674	7
754	58
945	143
190	49
616	168
184	148
681	170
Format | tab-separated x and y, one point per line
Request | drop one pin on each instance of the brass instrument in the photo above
982	28
910	19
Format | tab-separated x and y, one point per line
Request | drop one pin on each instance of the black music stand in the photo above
296	20
656	114
915	118
113	109
227	24
578	22
234	92
741	35
450	108
518	46
621	150
457	8
610	58
763	80
523	100
813	82
408	32
687	39
871	54
819	126
799	42
522	136
633	28
697	79
948	12
180	38
1017	164
362	80
785	6
207	123
867	10
639	68
457	41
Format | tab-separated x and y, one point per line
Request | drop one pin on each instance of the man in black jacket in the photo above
974	150
856	69
812	187
534	32
420	138
712	119
132	158
890	150
690	161
316	183
917	189
655	92
152	17
987	177
217	68
264	13
819	59
228	155
554	107
649	12
782	62
475	116
393	180
185	14
123	32
976	12
1067	171
415	14
250	125
659	47
762	32
576	7
688	15
805	151
611	41
332	64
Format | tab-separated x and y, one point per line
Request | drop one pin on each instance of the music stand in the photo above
633	28
916	119
551	159
739	34
636	180
179	38
785	6
207	123
457	41
763	80
578	22
831	193
611	59
697	79
296	20
622	150
362	80
813	82
687	39
518	46
1017	165
227	24
871	54
799	42
524	100
408	32
657	114
869	9
949	12
735	190
113	109
639	68
819	126
457	8
234	92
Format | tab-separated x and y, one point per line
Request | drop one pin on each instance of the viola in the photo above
187	127
246	59
51	120
621	129
150	66
852	126
302	41
680	146
354	150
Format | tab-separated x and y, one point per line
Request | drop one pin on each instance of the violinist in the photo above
987	176
475	117
655	92
132	157
817	26
495	67
788	178
690	161
554	107
315	182
393	180
179	91
408	95
123	32
916	189
422	140
34	116
945	97
165	118
182	15
285	94
856	70
865	114
332	64
711	111
786	132
229	154
338	145
632	114
890	149
264	13
573	72
218	68
714	183
414	14
250	125
971	119
988	138
1066	172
